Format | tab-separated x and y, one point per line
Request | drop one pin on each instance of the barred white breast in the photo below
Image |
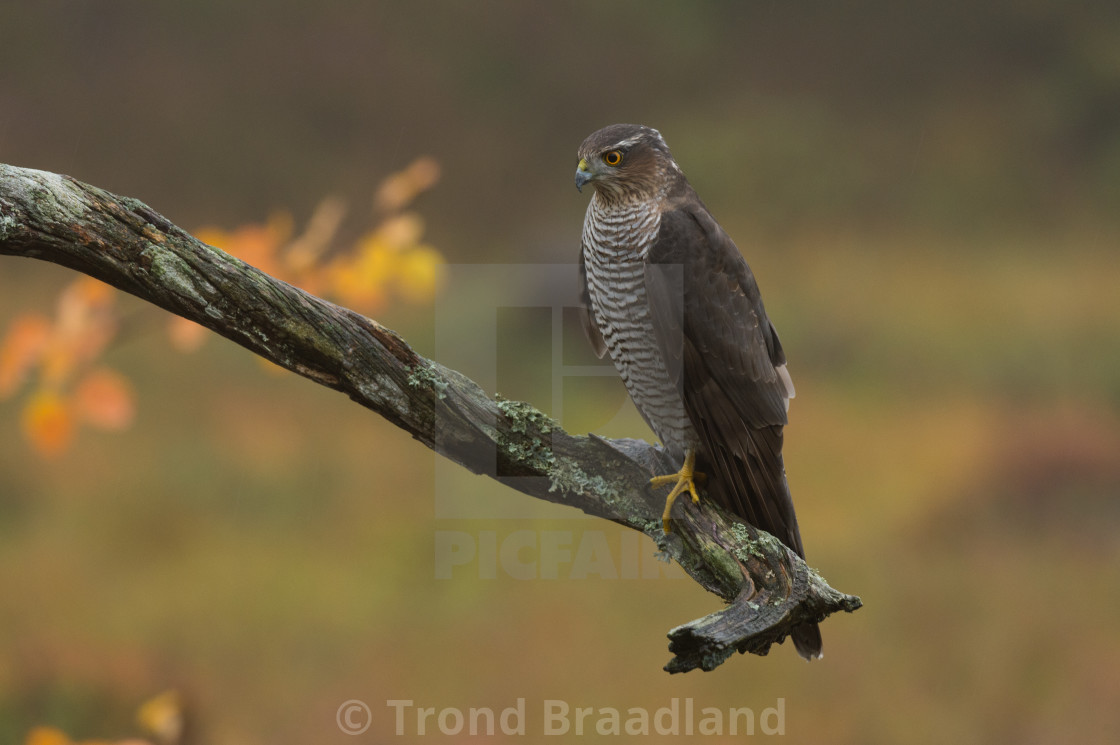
616	241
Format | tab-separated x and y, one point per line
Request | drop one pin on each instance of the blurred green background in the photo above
927	192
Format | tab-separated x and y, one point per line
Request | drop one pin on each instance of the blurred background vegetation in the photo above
927	192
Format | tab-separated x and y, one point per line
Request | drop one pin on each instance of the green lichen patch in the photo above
530	451
8	225
525	440
423	376
523	416
761	547
569	478
722	565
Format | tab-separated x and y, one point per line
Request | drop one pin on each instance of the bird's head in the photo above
625	161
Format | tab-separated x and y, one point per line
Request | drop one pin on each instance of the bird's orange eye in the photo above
612	157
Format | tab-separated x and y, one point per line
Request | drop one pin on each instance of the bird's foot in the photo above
684	480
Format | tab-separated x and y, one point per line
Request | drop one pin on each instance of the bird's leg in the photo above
684	479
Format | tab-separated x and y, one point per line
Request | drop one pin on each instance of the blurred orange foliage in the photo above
387	261
54	736
161	717
70	389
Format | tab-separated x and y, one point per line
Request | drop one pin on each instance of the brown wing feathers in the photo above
732	388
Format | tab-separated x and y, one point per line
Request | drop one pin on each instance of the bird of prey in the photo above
666	292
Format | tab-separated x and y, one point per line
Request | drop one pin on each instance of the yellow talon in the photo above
686	478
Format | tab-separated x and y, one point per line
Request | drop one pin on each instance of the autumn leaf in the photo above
104	399
254	244
360	280
303	253
47	736
400	231
162	717
186	336
84	325
21	350
403	187
387	261
48	422
420	274
55	736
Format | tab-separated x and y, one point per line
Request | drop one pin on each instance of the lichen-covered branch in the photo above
125	243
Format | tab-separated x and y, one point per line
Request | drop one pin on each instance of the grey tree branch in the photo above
125	243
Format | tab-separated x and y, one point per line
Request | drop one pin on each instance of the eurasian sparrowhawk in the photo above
669	296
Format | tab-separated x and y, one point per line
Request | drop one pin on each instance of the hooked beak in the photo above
583	174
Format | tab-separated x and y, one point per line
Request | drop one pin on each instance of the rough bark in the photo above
125	243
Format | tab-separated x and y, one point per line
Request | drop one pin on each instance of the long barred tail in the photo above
748	478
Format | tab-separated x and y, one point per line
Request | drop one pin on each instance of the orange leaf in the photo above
104	399
91	292
82	303
360	280
48	423
85	326
215	237
258	245
186	336
21	349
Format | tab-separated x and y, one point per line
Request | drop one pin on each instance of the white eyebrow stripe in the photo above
629	141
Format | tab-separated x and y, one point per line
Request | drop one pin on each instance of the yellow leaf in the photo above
162	717
360	282
104	399
48	423
46	736
420	274
356	294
